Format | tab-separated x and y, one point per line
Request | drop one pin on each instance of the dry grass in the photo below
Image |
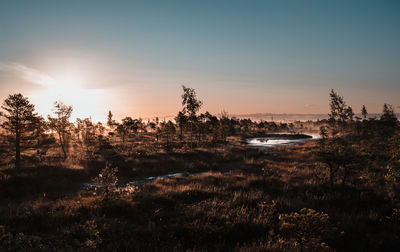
237	211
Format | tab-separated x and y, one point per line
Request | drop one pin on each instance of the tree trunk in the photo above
181	133
62	143
191	132
17	150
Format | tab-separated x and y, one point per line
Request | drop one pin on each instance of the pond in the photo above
272	140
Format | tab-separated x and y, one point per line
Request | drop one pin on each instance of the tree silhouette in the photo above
340	112
338	154
61	125
181	120
124	128
388	122
87	132
19	115
364	112
224	125
212	126
168	128
110	121
191	105
122	132
39	127
349	113
388	114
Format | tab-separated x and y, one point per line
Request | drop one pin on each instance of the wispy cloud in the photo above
27	73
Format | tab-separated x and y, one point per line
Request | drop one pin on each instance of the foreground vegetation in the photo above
337	193
270	201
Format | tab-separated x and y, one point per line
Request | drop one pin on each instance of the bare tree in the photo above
191	105
19	115
61	124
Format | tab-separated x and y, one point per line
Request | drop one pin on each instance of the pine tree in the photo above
18	117
110	121
364	112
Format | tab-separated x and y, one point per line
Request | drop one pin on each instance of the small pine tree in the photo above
107	178
364	113
110	121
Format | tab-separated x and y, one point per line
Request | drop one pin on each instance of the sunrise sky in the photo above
132	57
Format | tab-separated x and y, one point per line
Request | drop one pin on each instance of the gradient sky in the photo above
241	56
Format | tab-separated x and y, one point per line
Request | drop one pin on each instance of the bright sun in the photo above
69	87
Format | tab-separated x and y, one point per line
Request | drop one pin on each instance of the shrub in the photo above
107	179
307	228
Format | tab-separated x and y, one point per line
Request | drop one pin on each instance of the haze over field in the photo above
245	57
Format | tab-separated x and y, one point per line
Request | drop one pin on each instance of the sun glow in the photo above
70	88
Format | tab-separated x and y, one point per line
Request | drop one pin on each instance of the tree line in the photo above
23	128
348	145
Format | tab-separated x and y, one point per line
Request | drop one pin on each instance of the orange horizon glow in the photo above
74	86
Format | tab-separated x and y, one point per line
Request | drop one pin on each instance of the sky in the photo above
132	57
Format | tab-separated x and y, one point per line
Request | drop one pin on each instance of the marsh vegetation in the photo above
337	192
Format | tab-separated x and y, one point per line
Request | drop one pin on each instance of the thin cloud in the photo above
27	73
